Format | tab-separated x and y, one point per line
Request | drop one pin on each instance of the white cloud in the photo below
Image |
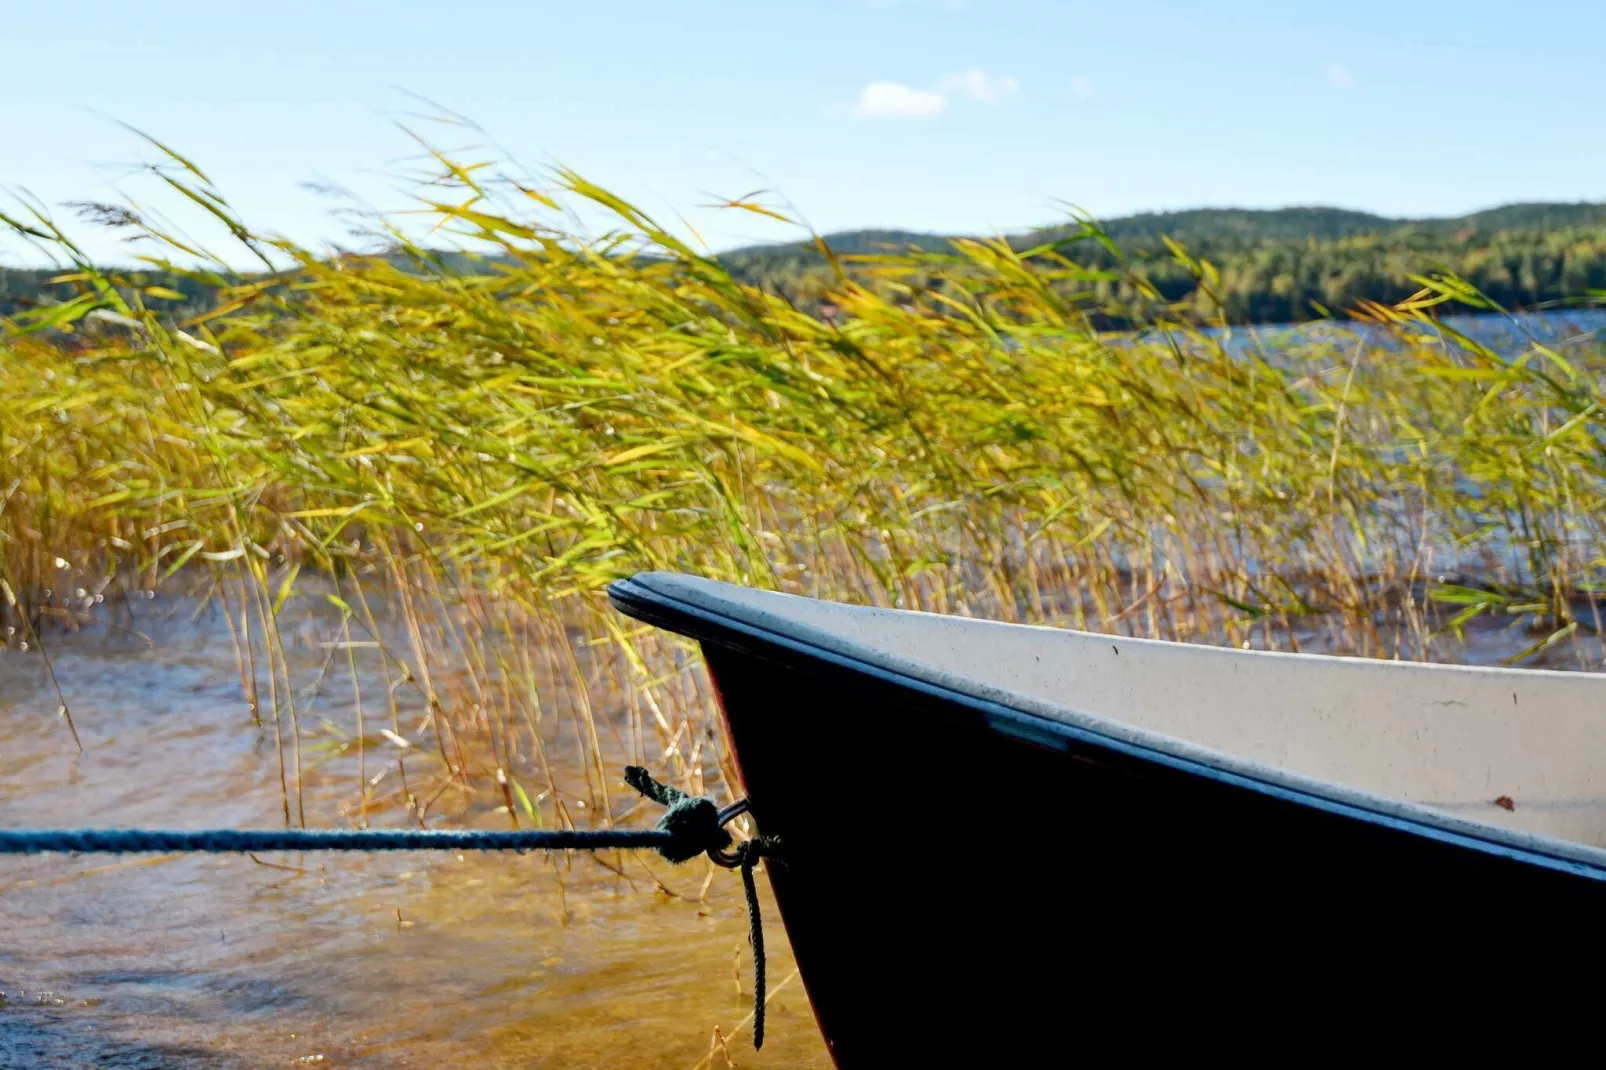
1339	76
894	100
1082	87
891	100
977	84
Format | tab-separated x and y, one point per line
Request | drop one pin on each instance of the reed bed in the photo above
447	458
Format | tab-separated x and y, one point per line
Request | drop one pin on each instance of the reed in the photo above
446	458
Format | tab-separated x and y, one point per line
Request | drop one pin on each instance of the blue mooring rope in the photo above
216	841
692	825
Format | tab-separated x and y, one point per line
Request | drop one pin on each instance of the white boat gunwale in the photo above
695	608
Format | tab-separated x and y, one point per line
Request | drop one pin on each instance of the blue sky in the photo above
946	115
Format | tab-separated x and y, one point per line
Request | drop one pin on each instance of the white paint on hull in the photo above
1450	738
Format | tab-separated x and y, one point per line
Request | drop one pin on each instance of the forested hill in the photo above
1249	226
1275	266
31	289
1230	226
1285	264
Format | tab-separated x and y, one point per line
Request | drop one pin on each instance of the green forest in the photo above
28	289
1282	265
1270	266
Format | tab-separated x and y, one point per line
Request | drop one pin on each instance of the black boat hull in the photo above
967	883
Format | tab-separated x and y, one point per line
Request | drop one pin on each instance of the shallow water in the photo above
404	960
1507	335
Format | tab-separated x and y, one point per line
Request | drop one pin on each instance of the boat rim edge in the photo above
1026	717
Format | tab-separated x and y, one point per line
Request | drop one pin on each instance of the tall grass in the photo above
455	455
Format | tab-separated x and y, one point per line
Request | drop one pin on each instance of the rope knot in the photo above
696	825
692	821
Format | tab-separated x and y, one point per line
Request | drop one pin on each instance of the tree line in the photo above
1274	266
1279	266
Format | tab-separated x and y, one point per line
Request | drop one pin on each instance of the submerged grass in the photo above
453	456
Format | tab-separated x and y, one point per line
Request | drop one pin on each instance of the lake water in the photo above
1564	327
338	960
